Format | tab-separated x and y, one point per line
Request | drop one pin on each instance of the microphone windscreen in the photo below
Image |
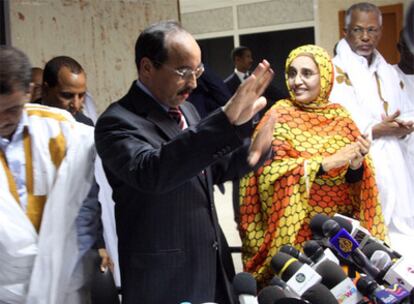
331	273
371	247
312	249
319	294
366	286
316	225
381	259
343	223
330	228
270	294
289	249
244	283
276	281
284	265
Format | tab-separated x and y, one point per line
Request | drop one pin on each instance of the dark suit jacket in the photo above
171	247
210	94
88	222
232	82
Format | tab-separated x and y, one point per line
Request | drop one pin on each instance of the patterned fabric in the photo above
280	198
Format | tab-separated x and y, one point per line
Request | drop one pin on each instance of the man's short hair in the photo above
15	70
53	66
151	42
238	52
364	7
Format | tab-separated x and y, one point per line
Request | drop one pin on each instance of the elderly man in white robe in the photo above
46	170
370	89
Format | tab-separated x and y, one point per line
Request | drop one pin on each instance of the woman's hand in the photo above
353	154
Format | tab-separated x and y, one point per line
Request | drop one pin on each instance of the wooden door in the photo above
392	23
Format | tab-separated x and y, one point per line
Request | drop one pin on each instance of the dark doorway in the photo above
216	54
275	47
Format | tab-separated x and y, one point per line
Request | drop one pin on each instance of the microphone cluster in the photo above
316	276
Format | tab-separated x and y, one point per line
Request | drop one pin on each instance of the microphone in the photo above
276	281
370	248
396	271
319	294
270	294
394	294
359	233
401	272
275	295
362	235
346	246
338	282
289	249
317	254
381	259
316	226
299	277
245	287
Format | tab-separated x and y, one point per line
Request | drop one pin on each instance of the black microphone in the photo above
289	249
319	294
245	288
362	235
275	295
316	226
276	281
392	295
340	285
299	277
317	254
346	246
270	294
399	271
371	247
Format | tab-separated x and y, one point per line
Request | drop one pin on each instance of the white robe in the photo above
355	87
40	267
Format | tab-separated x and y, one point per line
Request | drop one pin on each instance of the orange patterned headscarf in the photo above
279	199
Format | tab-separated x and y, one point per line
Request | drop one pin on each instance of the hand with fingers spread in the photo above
391	125
353	154
247	101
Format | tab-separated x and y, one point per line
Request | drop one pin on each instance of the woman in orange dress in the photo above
319	165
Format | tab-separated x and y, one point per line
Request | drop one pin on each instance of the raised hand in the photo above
247	100
391	125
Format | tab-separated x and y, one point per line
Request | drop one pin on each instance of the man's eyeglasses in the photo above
186	73
371	31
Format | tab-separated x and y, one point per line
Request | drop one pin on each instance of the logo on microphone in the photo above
300	278
345	245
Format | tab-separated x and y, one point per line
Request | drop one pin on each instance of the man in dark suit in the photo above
242	60
162	161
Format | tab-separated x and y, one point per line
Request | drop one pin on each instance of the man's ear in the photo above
145	67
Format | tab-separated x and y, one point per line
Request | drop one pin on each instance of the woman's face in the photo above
304	79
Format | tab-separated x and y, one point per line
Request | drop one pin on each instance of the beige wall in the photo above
326	18
100	34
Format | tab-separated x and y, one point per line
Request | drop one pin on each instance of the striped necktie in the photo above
176	114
